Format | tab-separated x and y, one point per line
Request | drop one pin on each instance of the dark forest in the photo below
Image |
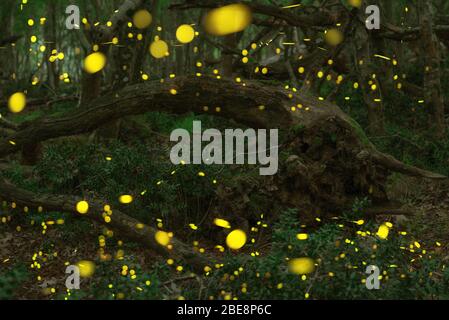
118	125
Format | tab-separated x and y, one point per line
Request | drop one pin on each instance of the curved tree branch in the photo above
241	102
309	16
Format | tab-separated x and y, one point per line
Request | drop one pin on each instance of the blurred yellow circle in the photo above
333	37
142	19
185	33
126	199
301	265
236	239
162	237
87	268
159	49
228	19
82	207
17	102
94	62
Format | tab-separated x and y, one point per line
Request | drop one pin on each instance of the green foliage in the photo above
57	109
408	135
166	123
342	256
136	170
109	284
419	150
11	280
178	194
358	206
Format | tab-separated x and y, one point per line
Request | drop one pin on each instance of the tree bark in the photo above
125	225
432	72
50	38
370	85
91	83
335	160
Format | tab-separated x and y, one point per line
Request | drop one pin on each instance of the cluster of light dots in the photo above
220	22
236	240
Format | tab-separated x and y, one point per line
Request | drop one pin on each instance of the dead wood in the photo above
341	162
127	226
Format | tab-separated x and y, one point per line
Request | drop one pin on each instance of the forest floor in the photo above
33	258
27	245
430	201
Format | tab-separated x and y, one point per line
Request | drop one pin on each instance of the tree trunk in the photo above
91	83
50	39
230	41
370	85
6	52
432	72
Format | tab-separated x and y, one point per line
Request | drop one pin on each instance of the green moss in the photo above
360	132
298	129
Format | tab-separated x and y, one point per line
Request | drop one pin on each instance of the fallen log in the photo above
341	163
331	161
123	224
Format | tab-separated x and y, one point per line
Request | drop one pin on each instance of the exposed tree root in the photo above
395	165
330	161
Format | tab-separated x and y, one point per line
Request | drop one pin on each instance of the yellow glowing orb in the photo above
302	236
228	19
162	237
126	199
383	231
82	207
159	49
87	268
236	239
333	37
94	62
301	265
142	19
17	102
355	3
222	223
185	33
